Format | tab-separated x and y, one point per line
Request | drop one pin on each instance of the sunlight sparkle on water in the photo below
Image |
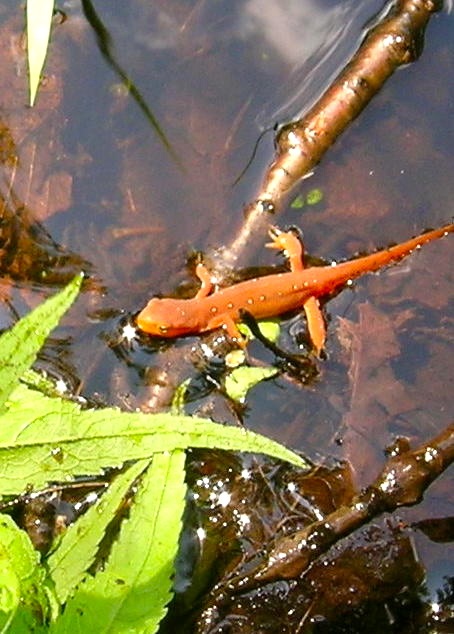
246	474
201	534
128	332
224	498
61	386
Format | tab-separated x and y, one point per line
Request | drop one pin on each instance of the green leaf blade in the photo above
76	551
46	439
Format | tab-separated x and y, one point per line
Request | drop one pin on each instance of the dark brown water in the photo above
129	184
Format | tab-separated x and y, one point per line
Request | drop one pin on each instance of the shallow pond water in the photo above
131	183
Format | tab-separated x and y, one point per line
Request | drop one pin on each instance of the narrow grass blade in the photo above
39	20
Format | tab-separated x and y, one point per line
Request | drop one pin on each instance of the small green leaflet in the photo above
20	345
132	591
313	197
298	202
39	20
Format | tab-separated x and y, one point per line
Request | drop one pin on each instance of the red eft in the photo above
270	295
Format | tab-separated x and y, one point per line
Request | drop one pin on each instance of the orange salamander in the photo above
270	295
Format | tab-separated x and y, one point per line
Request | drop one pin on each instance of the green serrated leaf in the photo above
39	20
46	439
23	598
131	593
77	549
20	345
241	380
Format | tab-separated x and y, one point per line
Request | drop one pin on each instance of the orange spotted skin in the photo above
267	296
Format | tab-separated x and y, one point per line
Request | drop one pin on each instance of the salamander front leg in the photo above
292	247
289	243
225	321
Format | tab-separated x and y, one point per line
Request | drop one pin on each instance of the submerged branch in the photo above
300	145
402	482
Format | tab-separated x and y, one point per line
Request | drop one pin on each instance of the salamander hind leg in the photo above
315	324
204	276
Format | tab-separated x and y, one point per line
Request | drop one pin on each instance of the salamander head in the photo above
167	318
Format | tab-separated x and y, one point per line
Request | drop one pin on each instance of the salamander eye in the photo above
163	329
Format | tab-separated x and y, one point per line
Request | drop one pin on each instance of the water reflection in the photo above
313	38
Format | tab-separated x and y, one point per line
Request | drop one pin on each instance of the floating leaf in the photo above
20	345
39	21
298	202
314	196
270	329
242	379
131	593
